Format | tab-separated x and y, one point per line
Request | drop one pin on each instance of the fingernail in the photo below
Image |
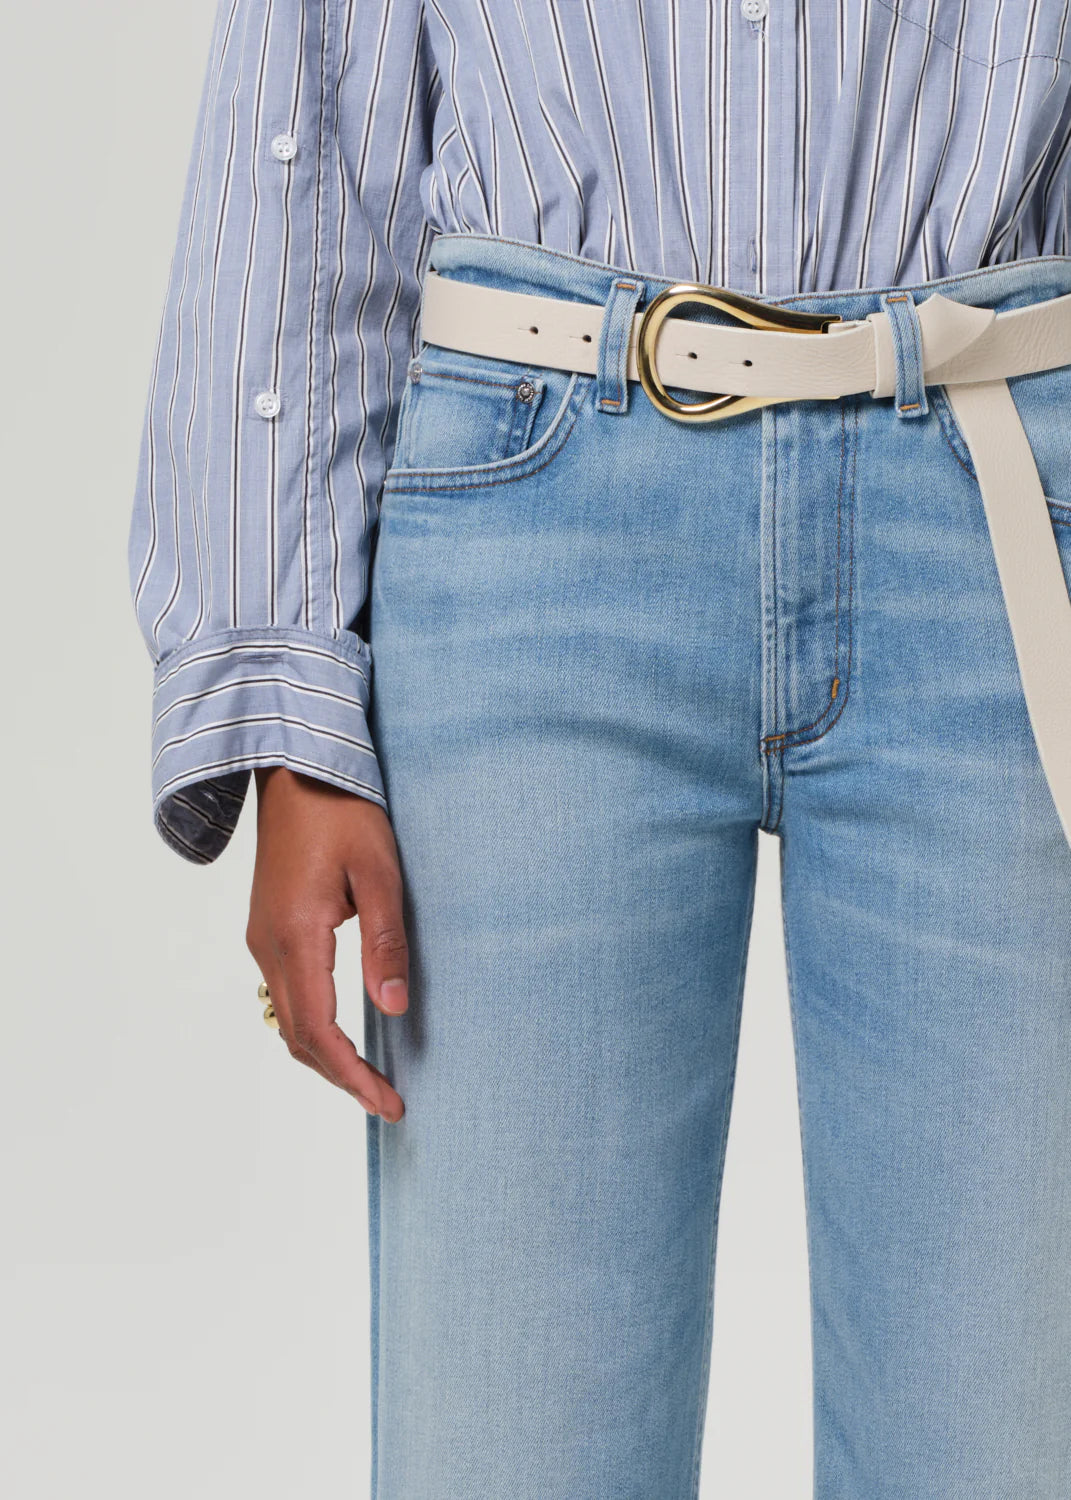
393	994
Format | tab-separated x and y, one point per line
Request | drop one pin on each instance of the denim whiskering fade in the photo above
609	648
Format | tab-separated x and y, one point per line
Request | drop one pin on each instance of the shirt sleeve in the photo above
288	324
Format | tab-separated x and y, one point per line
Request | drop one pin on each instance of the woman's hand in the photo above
324	855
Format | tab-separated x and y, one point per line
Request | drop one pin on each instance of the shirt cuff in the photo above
255	697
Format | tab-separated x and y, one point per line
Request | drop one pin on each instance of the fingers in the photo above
305	953
316	847
280	1003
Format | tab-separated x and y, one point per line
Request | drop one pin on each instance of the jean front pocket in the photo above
458	411
1043	401
467	420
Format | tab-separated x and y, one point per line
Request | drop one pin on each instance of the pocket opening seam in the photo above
1059	510
516	466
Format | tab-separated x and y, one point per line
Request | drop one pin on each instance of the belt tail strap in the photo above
1031	573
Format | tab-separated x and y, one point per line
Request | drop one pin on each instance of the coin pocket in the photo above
458	410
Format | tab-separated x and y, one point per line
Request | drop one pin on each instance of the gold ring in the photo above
264	995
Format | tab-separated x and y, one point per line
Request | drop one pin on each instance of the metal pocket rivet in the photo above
416	371
525	391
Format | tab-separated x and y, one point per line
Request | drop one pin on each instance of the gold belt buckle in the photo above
747	310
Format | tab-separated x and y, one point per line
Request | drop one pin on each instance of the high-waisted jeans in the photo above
609	648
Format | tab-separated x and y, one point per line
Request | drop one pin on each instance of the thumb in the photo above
384	946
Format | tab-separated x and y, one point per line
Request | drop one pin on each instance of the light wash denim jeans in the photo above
609	647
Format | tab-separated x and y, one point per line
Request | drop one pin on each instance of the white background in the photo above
184	1225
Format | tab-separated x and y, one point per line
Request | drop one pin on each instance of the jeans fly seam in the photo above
708	1322
797	737
840	506
770	678
809	739
777	738
824	723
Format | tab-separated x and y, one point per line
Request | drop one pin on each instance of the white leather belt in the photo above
970	350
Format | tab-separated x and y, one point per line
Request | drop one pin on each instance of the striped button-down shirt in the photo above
769	145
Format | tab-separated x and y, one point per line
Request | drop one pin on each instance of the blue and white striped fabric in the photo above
769	145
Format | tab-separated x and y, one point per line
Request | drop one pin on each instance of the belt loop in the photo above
907	343
611	390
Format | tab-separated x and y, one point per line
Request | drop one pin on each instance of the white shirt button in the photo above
754	10
284	147
267	404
